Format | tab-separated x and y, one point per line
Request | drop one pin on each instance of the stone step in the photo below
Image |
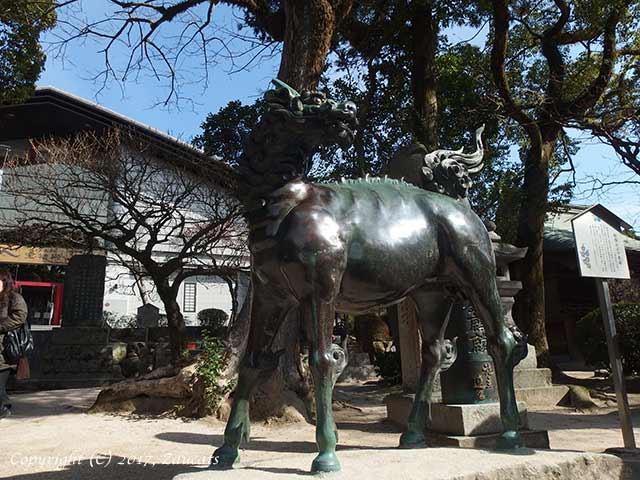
532	377
538	439
542	396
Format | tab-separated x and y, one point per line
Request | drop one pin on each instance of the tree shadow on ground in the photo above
117	467
52	402
599	383
570	419
381	426
258	443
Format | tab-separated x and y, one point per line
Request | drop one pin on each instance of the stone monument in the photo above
80	352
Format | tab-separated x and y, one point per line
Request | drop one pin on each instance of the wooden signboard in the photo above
600	247
37	255
601	255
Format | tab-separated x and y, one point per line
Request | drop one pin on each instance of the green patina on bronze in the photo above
472	378
353	246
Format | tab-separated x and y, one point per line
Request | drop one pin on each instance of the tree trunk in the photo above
175	322
424	40
238	337
530	303
309	29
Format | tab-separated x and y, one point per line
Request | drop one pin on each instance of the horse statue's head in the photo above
310	117
281	146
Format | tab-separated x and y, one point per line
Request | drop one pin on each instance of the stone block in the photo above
399	406
531	377
542	396
538	439
479	419
148	316
530	361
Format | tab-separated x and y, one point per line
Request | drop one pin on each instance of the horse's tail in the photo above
442	171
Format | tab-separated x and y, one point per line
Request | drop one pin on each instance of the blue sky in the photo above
139	100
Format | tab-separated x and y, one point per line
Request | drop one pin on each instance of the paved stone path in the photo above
51	437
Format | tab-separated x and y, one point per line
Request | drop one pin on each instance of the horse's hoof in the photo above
412	440
325	462
509	440
224	458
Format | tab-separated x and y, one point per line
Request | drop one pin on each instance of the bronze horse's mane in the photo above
354	245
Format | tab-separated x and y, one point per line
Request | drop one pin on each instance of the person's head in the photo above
6	283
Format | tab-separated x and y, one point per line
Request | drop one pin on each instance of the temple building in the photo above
42	272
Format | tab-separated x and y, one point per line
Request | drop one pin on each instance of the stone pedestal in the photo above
80	356
478	426
471	419
538	439
465	426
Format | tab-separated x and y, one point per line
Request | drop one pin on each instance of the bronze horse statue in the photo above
349	247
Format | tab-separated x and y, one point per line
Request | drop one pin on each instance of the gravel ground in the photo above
51	437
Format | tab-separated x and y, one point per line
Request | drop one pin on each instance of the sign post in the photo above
601	254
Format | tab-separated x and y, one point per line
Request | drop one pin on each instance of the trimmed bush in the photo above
593	343
214	319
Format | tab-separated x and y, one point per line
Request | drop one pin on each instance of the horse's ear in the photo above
281	84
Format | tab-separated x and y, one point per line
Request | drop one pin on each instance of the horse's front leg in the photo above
268	309
327	361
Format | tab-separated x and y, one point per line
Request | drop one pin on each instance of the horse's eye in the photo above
317	100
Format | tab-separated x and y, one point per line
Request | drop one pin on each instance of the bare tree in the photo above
164	220
158	37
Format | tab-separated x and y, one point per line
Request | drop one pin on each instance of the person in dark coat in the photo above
13	313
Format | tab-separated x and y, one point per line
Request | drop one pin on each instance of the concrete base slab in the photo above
538	439
631	457
429	464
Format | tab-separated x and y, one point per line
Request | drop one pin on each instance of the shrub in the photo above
214	319
116	320
592	340
387	365
211	364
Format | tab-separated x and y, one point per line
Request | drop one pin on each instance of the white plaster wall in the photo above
122	297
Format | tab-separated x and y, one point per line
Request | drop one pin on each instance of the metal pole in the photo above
616	364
